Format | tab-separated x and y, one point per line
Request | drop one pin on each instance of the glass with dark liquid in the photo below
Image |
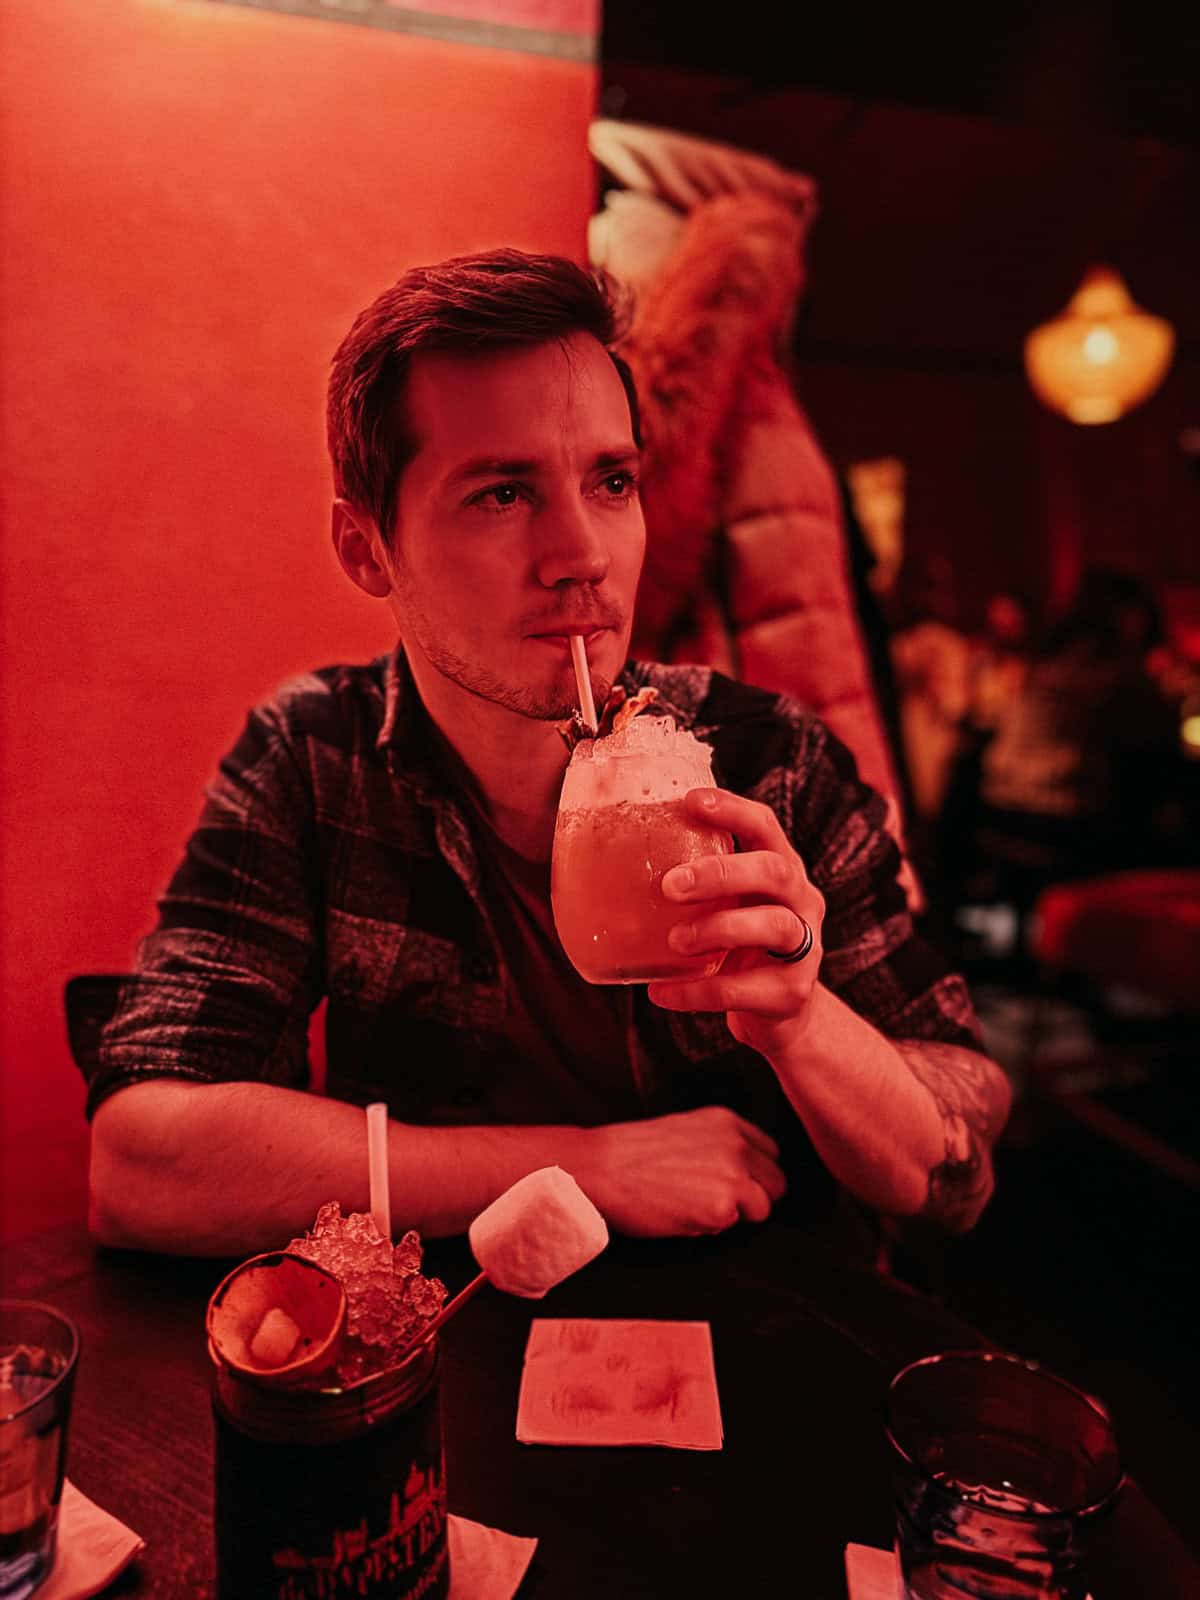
1001	1472
39	1348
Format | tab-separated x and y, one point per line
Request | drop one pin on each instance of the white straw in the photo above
587	706
377	1160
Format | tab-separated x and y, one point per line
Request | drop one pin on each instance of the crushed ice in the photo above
388	1302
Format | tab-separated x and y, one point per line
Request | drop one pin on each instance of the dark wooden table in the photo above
804	1348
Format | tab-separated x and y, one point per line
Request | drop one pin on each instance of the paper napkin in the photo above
613	1382
872	1574
92	1548
485	1564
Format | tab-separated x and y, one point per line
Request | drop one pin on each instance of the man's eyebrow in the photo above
491	467
521	467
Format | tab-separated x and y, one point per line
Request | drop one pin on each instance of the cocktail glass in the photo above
622	824
39	1348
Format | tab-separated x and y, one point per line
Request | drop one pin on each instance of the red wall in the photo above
198	198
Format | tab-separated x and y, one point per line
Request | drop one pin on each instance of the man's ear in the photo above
359	547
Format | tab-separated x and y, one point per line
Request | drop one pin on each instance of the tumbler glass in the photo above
622	824
39	1349
1001	1472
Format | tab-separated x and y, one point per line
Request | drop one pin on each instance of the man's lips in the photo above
564	634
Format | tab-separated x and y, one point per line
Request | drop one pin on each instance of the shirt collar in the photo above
397	687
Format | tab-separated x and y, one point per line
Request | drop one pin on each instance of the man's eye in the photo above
620	485
498	496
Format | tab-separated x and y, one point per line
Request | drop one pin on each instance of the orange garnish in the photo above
624	714
619	711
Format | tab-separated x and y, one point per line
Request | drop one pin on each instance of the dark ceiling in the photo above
969	172
1115	68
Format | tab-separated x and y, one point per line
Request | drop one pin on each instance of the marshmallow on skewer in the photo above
537	1233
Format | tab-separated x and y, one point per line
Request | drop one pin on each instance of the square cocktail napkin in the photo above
614	1382
872	1574
485	1564
91	1549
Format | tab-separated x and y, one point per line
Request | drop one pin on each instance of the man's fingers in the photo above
756	1137
766	874
768	1175
761	927
754	1204
753	824
758	989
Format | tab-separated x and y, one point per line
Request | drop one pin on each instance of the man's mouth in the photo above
562	637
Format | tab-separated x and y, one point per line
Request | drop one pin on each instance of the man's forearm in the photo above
231	1169
907	1126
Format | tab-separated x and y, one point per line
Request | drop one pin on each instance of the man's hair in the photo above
470	305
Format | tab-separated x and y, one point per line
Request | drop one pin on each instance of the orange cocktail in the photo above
621	825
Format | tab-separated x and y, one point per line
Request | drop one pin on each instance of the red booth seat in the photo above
1139	929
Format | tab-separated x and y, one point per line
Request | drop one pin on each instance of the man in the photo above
380	837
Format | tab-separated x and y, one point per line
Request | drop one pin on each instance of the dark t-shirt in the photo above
572	1034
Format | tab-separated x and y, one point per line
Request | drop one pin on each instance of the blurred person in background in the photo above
931	660
1083	754
1000	654
995	664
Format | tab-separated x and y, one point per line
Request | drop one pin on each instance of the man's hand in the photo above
764	998
905	1125
690	1173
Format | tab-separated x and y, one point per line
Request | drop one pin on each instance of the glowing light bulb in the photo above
1100	346
1102	356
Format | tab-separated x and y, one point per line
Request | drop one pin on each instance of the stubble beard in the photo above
553	704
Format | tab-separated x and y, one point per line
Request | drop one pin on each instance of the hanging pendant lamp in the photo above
1102	355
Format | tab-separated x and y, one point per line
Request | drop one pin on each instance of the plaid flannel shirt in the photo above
330	863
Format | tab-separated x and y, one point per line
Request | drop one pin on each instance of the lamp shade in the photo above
1102	356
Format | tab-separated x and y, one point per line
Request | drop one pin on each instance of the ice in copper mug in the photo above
330	1478
622	824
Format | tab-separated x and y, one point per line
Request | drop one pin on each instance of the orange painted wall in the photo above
198	198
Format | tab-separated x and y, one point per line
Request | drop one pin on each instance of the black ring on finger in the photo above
788	957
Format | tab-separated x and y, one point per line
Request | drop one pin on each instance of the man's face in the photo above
518	523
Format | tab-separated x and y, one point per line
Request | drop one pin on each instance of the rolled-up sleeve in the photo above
223	987
874	958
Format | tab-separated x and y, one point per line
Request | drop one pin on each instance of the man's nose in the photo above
571	547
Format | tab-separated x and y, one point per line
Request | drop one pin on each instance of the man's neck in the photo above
513	764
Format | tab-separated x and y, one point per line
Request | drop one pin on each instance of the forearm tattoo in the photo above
972	1098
